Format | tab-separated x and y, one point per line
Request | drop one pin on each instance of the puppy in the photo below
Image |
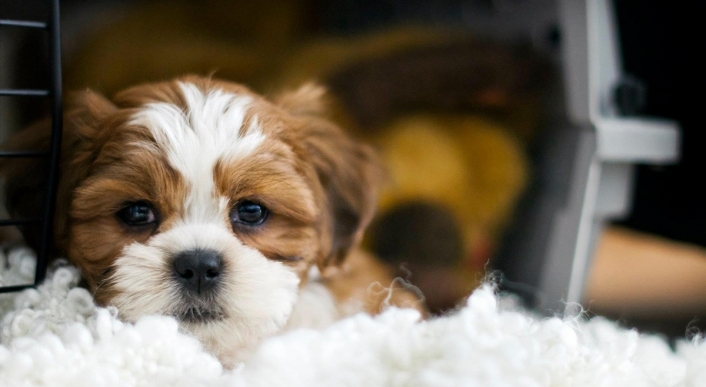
198	199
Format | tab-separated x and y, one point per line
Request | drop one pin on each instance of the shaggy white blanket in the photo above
56	336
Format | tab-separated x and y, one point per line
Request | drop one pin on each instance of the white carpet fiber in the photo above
56	336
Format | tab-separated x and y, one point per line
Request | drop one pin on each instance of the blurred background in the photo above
466	102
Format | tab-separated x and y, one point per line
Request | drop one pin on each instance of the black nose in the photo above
198	270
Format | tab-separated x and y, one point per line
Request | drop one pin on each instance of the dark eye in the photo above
248	213
137	214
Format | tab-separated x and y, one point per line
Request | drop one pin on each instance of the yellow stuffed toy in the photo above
470	164
460	169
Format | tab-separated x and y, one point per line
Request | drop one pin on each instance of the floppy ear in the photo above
348	171
25	178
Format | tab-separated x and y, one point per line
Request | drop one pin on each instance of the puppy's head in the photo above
199	199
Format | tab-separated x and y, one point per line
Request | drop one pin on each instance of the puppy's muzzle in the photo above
198	271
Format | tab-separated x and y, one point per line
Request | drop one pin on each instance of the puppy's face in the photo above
201	200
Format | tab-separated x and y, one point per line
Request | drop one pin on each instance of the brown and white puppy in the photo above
199	199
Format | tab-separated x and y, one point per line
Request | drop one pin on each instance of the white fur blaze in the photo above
211	128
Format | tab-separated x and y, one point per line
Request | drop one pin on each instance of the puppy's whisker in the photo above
100	284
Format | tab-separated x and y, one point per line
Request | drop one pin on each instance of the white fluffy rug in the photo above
56	336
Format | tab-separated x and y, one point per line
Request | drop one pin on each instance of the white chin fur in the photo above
256	294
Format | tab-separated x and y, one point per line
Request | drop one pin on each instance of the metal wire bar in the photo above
14	288
24	93
56	132
24	153
23	23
